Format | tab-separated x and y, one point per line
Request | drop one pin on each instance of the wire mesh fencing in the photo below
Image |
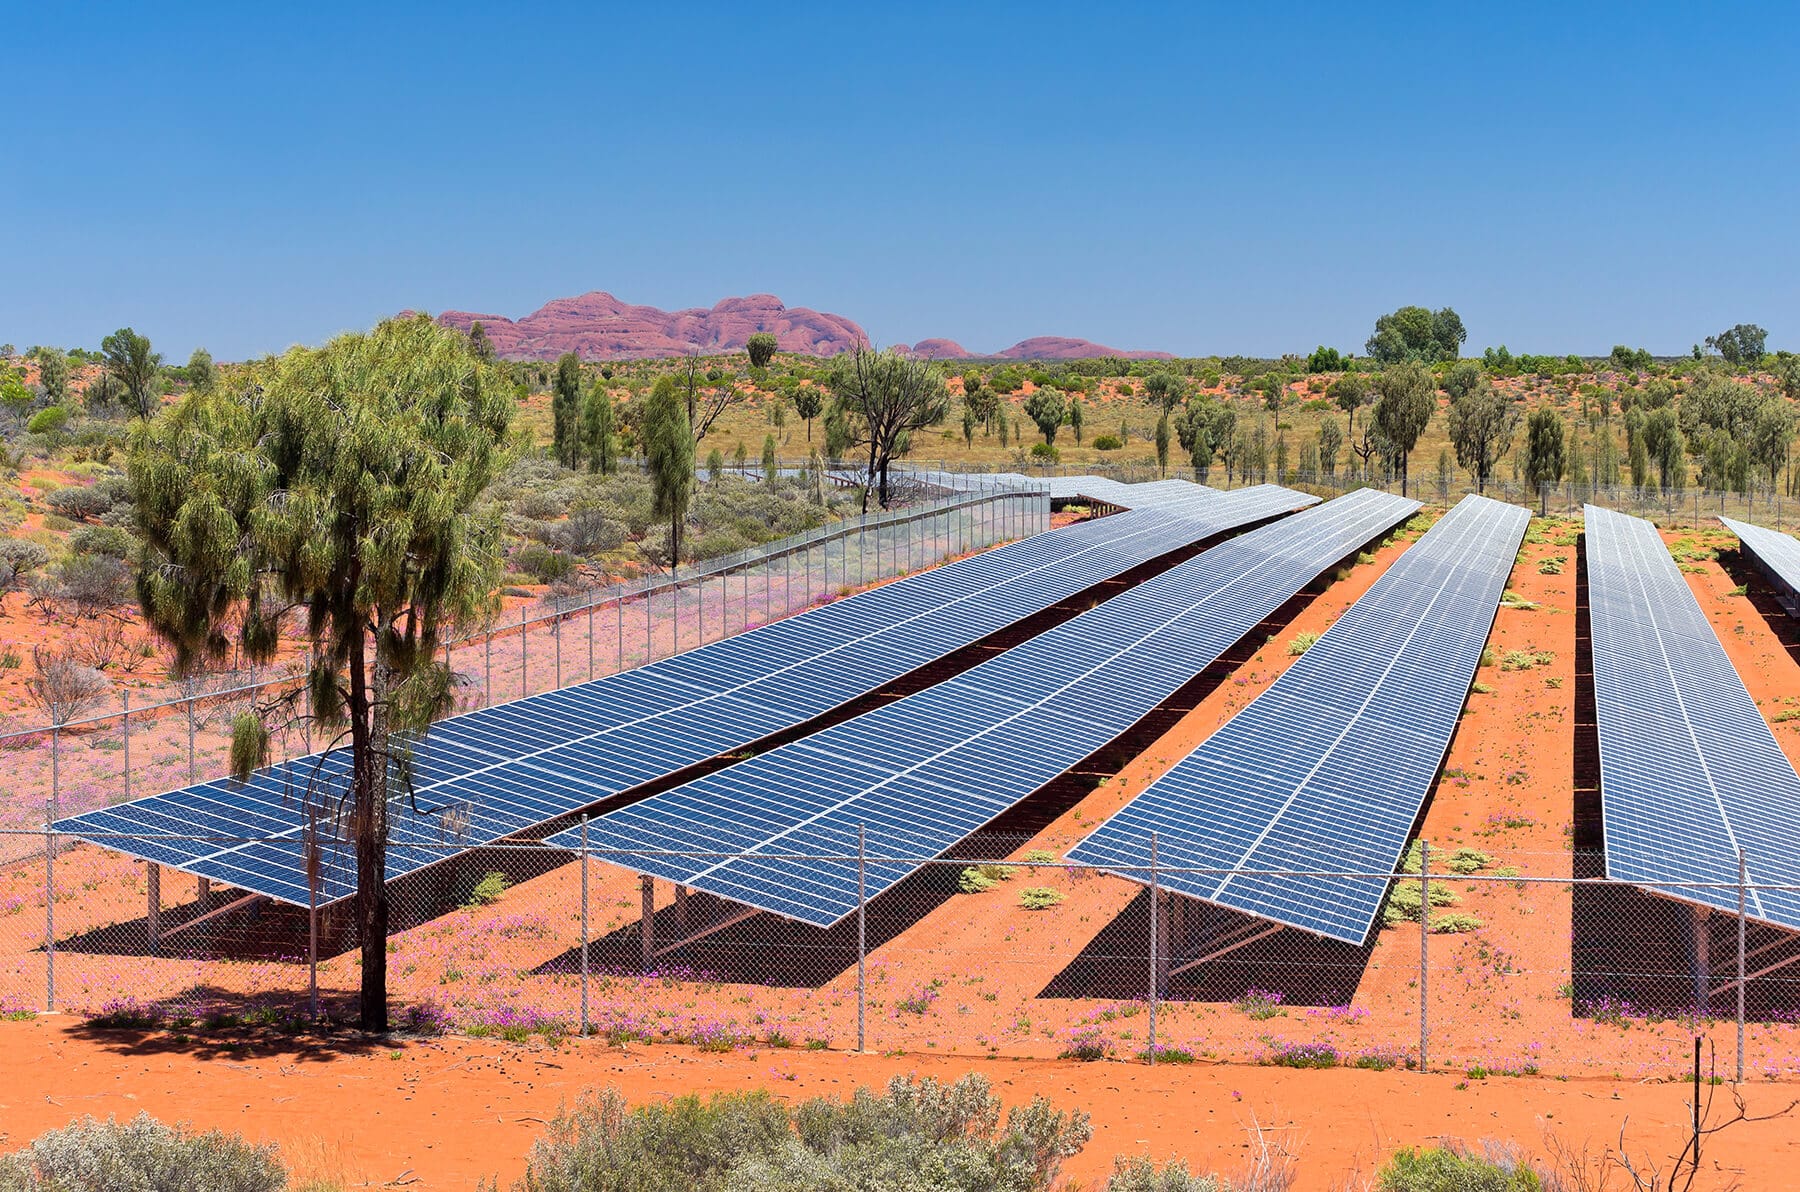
1487	963
138	748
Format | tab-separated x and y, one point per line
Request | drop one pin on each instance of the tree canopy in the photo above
1739	345
131	363
884	398
1482	423
1415	333
761	348
668	441
1401	413
343	487
1047	408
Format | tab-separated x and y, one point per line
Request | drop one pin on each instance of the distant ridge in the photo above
598	326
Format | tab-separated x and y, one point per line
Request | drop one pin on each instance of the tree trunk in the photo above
368	743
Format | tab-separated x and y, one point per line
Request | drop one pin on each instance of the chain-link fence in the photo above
1488	962
140	748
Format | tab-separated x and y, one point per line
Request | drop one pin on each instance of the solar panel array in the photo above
1326	771
924	772
489	774
1689	769
1777	553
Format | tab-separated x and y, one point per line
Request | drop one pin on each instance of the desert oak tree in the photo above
341	488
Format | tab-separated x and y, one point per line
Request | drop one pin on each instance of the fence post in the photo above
556	624
1743	872
1155	960
675	643
56	767
524	653
125	700
590	613
1424	952
584	926
190	720
49	913
619	608
312	937
487	669
862	938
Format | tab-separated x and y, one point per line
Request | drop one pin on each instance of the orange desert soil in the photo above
445	1113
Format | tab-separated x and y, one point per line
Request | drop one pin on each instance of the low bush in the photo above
1455	1168
48	421
915	1134
1039	898
1303	1055
978	878
1141	1174
1301	644
488	889
542	563
1044	453
1107	443
142	1155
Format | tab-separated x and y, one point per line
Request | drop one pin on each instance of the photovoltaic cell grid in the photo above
1689	770
489	774
1778	554
924	772
1326	771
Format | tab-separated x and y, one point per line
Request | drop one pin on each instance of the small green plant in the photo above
1141	1174
1454	923
1043	856
1404	904
1552	565
980	878
1468	860
1259	1004
488	890
1040	898
1301	643
1107	443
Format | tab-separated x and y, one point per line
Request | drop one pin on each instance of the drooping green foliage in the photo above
1401	413
1546	449
599	437
565	410
668	440
761	347
133	366
1047	408
1482	423
342	485
200	370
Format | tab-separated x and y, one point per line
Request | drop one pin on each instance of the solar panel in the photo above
491	773
1325	772
923	772
1777	554
1689	769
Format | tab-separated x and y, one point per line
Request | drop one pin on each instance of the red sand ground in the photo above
445	1113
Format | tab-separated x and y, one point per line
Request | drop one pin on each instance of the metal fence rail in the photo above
145	748
1512	962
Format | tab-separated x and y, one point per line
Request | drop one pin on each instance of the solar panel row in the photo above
488	774
1690	771
1326	771
922	773
1779	556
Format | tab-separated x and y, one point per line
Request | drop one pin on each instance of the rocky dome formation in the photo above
597	326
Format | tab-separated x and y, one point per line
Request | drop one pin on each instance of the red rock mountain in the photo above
597	326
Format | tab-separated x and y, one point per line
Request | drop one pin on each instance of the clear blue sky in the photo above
1204	178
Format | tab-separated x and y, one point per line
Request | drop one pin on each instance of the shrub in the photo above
1455	924
1259	1004
1086	1043
1107	443
1039	898
542	563
488	890
1454	1168
1403	904
1040	856
983	877
1045	453
48	421
916	1134
94	583
142	1155
109	541
79	502
1301	644
1468	860
1141	1174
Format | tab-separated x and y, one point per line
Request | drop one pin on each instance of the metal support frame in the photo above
216	912
647	924
1243	941
731	920
153	911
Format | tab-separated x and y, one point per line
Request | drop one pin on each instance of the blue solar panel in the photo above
498	771
1690	771
1326	771
1777	554
924	772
